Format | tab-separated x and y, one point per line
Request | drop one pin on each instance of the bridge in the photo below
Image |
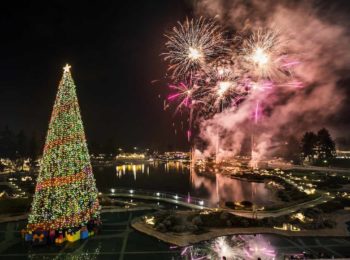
198	203
185	201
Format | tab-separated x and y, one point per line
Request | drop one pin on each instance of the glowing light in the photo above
223	86
112	190
191	44
256	113
194	54
65	194
263	50
183	94
67	68
211	74
236	247
222	249
189	133
299	216
150	220
260	57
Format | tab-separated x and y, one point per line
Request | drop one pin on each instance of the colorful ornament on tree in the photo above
65	196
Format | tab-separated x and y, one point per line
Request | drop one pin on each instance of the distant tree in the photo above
326	145
21	149
110	147
22	144
2	167
170	148
33	149
308	146
94	147
292	151
7	144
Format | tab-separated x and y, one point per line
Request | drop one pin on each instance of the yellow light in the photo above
194	54
260	57
223	86
299	216
67	68
150	220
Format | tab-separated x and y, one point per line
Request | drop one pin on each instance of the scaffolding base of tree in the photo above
65	205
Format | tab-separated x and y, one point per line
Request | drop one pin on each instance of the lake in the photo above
178	177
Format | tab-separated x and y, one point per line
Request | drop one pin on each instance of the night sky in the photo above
114	50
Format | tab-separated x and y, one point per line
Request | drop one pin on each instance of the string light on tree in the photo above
65	194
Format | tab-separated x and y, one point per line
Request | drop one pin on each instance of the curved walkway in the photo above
308	168
189	202
283	211
197	203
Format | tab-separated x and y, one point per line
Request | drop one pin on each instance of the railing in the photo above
164	196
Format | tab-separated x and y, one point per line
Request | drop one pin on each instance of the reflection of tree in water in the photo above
81	253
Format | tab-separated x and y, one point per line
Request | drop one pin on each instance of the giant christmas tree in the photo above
65	194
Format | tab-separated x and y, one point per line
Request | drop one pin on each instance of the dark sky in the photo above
114	49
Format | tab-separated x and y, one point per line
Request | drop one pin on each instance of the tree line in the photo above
18	146
318	148
313	148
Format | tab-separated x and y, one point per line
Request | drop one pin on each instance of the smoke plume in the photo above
322	47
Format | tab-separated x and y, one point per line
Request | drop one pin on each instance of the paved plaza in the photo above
118	240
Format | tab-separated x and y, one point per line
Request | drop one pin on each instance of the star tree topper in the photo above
67	68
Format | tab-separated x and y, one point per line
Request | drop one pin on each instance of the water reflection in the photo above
179	177
136	169
232	247
131	168
224	188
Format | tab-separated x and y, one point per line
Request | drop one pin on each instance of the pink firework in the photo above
215	72
257	111
182	94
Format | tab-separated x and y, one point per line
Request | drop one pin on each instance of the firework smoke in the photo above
273	82
296	92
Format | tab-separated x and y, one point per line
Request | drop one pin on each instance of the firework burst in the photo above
212	74
182	94
263	53
191	45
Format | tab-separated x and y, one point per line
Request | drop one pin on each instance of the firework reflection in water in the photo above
232	248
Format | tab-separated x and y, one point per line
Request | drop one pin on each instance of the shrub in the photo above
330	206
191	228
329	223
246	204
179	228
224	215
197	221
230	204
161	228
